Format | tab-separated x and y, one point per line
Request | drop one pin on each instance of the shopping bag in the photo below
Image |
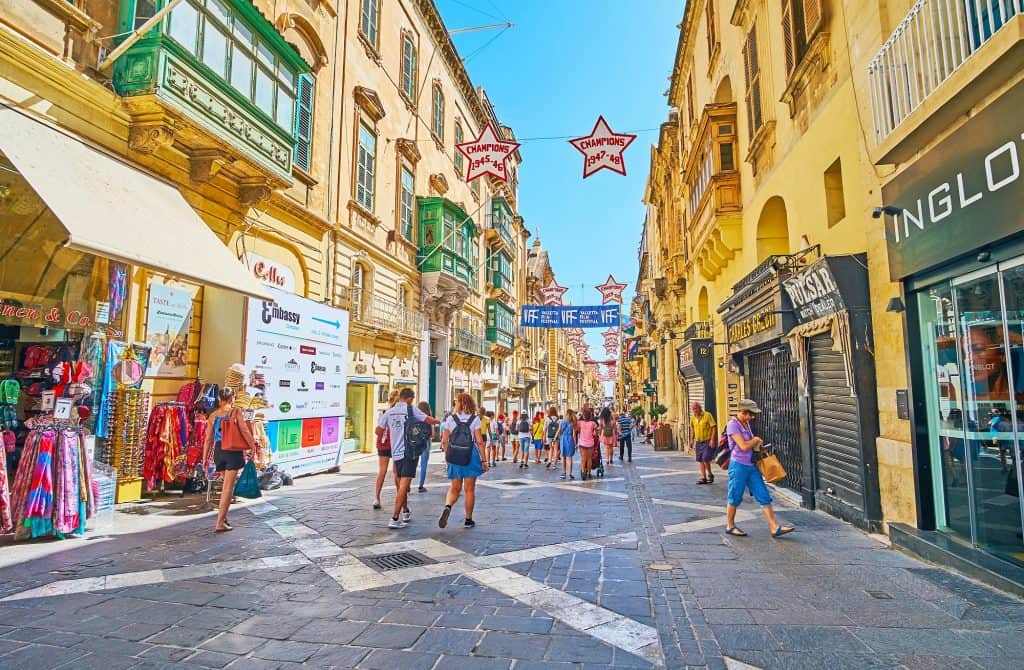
248	485
771	469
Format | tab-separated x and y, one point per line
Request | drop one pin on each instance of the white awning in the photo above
112	209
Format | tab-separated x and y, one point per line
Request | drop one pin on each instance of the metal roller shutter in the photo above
695	391
835	425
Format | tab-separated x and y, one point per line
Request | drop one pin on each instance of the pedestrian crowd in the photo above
475	440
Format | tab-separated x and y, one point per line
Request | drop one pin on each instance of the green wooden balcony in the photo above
501	324
448	241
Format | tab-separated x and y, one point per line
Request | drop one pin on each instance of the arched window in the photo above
437	118
772	229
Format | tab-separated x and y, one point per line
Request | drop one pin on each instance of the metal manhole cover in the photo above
397	561
880	595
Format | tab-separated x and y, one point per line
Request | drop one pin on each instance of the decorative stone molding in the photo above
760	154
307	31
370	48
204	164
254	194
148	137
409	150
439	183
369	102
361	215
441	297
809	82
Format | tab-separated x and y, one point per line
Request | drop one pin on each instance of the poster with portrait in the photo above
168	321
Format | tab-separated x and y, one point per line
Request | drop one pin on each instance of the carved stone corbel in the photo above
204	164
254	194
148	138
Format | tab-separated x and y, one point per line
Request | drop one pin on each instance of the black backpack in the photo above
524	426
460	443
417	435
552	429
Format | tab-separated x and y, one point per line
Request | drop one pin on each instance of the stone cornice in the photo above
409	149
369	102
684	49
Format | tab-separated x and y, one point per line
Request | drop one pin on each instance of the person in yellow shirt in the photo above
702	441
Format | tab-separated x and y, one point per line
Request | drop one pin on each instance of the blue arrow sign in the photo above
329	323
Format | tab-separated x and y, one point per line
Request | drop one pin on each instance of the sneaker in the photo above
376	505
395	523
526	465
407	516
445	513
469	523
563	476
423	489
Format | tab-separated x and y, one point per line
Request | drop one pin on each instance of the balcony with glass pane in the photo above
500	281
447	238
467	342
216	79
714	211
501	327
498	231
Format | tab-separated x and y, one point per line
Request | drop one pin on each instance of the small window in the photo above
835	203
369	19
407	205
458	154
437	120
144	11
403	295
218	10
725	157
409	67
215	49
184	27
264	98
241	72
366	166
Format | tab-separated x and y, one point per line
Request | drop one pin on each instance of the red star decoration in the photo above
611	291
603	149
487	154
552	293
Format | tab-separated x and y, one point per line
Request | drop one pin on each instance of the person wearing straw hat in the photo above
743	474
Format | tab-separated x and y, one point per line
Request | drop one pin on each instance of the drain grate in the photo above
880	595
399	560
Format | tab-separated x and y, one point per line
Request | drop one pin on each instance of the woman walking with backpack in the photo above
524	436
551	422
463	446
565	438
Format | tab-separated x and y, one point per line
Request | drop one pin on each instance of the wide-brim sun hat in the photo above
748	405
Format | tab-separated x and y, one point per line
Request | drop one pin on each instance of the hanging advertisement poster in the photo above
297	353
168	321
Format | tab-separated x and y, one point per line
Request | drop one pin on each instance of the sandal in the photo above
735	532
225	529
783	530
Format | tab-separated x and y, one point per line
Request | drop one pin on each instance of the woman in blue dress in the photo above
459	434
565	438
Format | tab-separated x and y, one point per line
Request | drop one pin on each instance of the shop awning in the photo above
112	209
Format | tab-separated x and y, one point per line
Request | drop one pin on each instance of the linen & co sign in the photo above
963	194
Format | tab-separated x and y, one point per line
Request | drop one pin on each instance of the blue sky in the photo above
564	63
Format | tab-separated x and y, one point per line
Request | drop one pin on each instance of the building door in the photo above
835	425
973	347
772	384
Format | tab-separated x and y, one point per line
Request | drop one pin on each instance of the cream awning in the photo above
112	209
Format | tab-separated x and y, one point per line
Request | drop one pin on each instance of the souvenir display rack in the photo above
127	439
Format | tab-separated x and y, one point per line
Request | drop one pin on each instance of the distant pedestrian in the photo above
609	434
425	456
384	454
587	441
702	441
537	430
552	455
743	474
565	438
394	421
626	426
524	437
463	445
499	430
489	430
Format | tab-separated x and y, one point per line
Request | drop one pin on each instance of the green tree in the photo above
658	411
637	413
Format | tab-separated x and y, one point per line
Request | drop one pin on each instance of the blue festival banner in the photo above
569	316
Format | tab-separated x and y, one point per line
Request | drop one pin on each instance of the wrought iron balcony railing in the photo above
932	41
469	342
371	310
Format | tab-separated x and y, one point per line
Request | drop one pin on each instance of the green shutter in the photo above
304	121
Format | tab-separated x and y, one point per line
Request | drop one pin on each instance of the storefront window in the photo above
973	346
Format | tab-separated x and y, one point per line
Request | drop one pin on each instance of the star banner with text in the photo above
549	316
602	149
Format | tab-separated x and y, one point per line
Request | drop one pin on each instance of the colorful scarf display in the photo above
166	443
6	522
52	489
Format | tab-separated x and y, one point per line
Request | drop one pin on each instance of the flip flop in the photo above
783	530
735	532
225	529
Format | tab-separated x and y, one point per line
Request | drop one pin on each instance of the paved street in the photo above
629	572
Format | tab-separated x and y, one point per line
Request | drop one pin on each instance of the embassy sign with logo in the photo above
961	195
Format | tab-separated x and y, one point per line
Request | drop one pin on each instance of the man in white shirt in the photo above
394	420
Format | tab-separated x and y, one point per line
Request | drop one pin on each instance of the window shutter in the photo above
303	121
814	17
689	99
788	34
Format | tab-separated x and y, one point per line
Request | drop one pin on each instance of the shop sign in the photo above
813	292
961	195
694	359
168	321
51	315
766	318
271	273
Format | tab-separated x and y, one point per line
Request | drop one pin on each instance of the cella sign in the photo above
962	194
270	272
